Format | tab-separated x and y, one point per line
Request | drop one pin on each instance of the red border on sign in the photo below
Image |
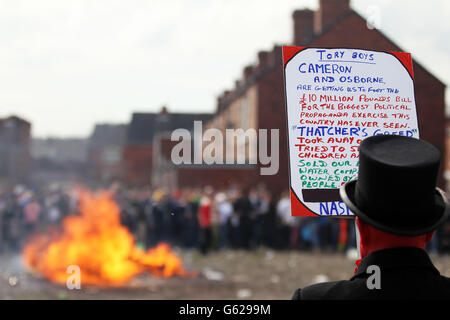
298	209
289	52
405	59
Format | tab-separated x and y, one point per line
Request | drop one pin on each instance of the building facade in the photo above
105	150
15	155
145	143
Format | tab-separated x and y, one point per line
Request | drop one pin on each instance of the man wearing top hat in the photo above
397	208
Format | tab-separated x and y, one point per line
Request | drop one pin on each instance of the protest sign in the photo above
334	99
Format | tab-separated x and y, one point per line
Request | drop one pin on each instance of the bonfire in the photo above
96	242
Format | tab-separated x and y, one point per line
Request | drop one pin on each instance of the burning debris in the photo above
99	245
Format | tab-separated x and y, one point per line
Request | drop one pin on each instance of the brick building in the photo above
105	150
15	155
257	100
142	132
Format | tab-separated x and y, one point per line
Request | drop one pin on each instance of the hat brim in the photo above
441	209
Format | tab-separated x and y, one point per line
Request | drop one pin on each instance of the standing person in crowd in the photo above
63	203
158	215
288	223
342	238
139	202
176	217
205	222
190	227
243	208
53	212
234	220
351	237
32	212
261	204
126	210
10	223
270	226
328	233
290	227
310	238
149	223
224	209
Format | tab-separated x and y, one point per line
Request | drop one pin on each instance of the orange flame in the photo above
96	242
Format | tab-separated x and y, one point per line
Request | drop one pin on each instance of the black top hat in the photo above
396	187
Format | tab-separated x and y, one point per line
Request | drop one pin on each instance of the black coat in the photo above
405	273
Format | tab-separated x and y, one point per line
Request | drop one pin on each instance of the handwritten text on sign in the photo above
336	98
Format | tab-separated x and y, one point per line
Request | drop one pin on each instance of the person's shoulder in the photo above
356	288
327	290
444	285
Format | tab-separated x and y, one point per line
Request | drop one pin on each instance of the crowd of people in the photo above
23	212
234	218
193	218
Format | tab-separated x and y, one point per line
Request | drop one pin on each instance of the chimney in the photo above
276	56
263	58
219	103
248	70
303	26
329	11
226	96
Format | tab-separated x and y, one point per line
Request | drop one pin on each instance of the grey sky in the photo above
66	65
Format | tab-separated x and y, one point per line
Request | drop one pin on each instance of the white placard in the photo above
335	98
